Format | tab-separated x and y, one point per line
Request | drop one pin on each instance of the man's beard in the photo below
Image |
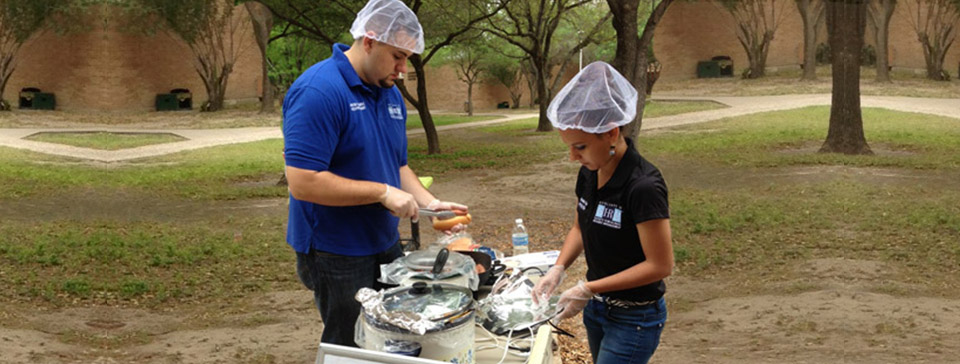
386	82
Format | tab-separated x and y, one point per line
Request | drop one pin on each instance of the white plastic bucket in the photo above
450	344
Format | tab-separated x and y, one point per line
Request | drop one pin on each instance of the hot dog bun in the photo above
444	225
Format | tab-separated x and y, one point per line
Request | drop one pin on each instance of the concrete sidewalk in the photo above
213	137
756	104
196	139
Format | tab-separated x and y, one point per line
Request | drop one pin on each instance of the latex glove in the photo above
437	205
548	283
573	300
399	202
459	209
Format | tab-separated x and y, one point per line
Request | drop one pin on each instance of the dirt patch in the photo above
845	270
879	149
277	327
30	346
834	325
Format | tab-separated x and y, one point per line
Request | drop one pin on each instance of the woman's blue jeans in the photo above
623	335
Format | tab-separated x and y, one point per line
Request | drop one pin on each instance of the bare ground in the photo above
837	318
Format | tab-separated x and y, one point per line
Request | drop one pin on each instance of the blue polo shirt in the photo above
332	121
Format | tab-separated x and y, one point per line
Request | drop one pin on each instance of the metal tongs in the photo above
442	215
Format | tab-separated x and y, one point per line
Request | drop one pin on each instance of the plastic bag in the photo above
510	306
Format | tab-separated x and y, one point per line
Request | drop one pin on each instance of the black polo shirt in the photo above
609	216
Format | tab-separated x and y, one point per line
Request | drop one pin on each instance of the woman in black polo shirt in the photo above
622	224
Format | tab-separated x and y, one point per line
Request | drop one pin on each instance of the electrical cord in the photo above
524	270
506	348
560	331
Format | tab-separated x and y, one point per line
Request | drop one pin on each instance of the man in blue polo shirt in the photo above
345	146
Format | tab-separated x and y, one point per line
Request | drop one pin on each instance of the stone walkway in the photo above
213	137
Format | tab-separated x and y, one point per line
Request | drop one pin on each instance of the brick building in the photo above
109	70
693	31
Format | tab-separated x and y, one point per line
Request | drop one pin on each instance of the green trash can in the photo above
708	69
167	102
44	101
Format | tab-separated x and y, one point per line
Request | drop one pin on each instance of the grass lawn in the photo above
146	263
413	120
105	140
227	172
748	197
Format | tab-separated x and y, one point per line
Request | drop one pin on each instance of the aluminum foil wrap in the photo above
414	322
411	268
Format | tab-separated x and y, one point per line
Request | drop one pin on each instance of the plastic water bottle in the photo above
521	241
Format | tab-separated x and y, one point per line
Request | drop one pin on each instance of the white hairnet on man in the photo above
596	100
390	22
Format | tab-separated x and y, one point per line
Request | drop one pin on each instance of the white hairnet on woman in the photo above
596	100
622	224
390	22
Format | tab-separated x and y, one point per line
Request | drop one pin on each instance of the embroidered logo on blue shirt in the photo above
357	106
608	215
395	111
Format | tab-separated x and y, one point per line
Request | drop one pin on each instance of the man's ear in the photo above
369	40
367	44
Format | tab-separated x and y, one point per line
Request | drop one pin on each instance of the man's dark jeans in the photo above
334	280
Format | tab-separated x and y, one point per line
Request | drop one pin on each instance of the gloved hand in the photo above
437	205
548	283
399	202
573	300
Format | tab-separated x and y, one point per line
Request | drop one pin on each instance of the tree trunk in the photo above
6	70
429	129
7	66
515	96
880	14
528	74
809	11
757	56
934	55
262	20
469	98
631	54
846	21
540	71
882	34
216	86
215	101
